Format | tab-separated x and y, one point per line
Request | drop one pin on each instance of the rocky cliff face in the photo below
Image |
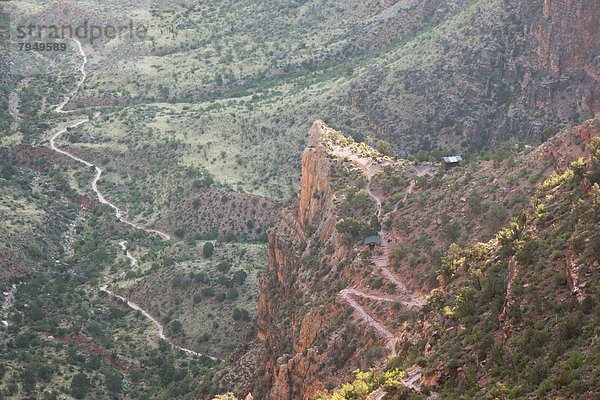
565	37
498	290
567	34
299	320
280	323
494	70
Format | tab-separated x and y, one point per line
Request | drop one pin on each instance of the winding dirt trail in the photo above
60	109
132	260
118	212
390	339
159	327
380	261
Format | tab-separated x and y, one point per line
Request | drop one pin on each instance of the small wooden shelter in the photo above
373	242
451	162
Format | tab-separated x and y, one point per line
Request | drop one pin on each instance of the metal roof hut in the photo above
451	162
373	242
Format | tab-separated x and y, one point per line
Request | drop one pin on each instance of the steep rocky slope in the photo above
490	71
466	205
310	339
313	340
517	316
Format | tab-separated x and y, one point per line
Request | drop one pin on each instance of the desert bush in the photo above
224	266
208	249
113	382
80	385
451	231
377	283
239	276
180	281
180	232
593	172
526	252
176	327
197	298
232	294
398	253
241	314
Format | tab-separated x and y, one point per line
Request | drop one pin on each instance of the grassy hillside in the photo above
239	84
211	302
63	337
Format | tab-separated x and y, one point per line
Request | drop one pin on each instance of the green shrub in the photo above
176	327
180	281
35	250
377	283
398	253
179	232
240	276
113	382
208	249
526	252
197	298
224	266
593	172
80	385
451	231
232	294
241	314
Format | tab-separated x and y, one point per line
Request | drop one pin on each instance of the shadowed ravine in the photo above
118	212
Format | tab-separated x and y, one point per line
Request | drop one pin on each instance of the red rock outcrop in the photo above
565	36
298	318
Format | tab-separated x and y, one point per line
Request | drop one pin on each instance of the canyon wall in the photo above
306	331
565	38
495	70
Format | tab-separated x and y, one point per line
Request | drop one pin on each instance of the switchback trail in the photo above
118	212
381	261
